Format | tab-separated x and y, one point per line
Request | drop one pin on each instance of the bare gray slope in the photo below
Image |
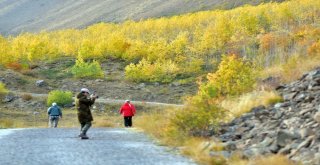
107	146
35	15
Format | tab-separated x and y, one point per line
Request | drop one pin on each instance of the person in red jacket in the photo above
127	110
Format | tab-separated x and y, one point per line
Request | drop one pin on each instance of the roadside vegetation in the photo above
39	119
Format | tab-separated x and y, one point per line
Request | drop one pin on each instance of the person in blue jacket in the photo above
55	114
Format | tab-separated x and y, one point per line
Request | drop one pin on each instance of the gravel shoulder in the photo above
62	146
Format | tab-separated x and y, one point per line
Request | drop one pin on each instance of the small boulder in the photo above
317	117
8	98
284	136
2	79
142	85
40	83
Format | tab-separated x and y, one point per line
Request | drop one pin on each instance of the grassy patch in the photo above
268	160
293	69
244	103
55	73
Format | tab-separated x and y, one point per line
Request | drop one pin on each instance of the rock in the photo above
69	105
8	98
305	132
285	150
258	109
300	97
230	146
302	112
142	85
36	113
40	83
291	122
254	151
284	137
317	158
175	84
289	96
98	80
266	142
313	75
317	117
156	84
274	148
278	114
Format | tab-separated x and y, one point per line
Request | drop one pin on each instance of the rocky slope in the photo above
36	15
290	127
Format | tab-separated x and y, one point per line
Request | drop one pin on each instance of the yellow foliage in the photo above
234	76
159	71
266	33
244	103
3	89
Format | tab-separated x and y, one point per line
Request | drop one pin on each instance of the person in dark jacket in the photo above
127	110
84	114
54	113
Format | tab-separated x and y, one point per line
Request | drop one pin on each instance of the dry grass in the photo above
244	103
155	123
26	97
199	149
268	160
24	119
293	69
9	123
107	120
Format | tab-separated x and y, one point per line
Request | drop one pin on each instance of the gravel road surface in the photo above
106	146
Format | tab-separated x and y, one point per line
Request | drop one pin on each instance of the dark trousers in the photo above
85	127
128	121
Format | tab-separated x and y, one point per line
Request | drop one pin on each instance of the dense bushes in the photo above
59	97
152	72
199	118
85	69
203	113
268	33
233	77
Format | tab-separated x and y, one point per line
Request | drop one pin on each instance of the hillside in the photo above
34	15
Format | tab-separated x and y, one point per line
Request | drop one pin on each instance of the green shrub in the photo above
199	118
3	89
233	77
90	70
145	71
59	97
